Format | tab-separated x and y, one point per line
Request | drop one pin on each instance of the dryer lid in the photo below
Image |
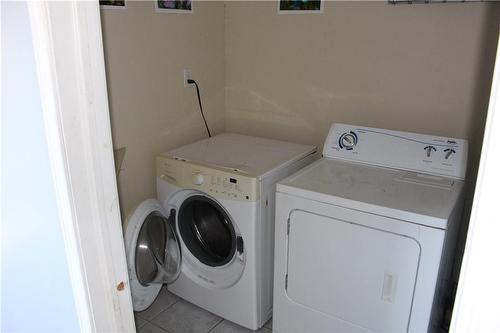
153	251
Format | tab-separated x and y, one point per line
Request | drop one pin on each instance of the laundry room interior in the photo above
418	67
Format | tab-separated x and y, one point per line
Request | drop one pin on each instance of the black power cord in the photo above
199	101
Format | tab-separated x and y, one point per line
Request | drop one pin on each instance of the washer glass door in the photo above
157	252
153	252
207	231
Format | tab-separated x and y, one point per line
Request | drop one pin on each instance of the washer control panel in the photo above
217	182
400	150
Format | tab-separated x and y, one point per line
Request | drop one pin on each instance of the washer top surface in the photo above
405	195
247	154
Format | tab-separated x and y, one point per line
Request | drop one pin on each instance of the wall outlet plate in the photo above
187	75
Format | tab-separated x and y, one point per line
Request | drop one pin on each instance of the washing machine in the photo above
209	233
365	237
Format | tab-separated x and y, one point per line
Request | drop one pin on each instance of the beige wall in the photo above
151	111
422	68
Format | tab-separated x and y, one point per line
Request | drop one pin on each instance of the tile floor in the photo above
171	314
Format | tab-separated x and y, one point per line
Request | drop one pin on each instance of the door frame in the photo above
69	55
67	41
476	302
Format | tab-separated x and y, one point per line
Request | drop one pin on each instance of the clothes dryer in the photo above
365	236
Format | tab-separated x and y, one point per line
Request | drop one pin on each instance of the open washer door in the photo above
153	252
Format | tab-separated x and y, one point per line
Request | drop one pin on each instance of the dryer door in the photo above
360	275
153	251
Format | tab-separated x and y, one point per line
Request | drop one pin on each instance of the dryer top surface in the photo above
405	195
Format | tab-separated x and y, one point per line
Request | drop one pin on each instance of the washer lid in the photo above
153	251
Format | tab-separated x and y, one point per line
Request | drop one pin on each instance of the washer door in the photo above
153	252
207	231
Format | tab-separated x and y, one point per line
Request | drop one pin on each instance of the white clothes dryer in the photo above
209	234
365	236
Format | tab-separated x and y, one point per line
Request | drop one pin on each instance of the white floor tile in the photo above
139	322
164	300
184	317
269	324
229	327
150	328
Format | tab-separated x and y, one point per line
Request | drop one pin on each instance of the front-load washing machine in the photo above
365	236
209	234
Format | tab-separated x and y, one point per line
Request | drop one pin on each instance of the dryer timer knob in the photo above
348	140
198	179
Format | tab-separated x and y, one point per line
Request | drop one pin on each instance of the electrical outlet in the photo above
187	76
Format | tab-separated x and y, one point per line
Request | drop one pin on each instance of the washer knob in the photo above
198	179
348	140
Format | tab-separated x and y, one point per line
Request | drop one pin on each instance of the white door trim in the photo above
69	56
476	305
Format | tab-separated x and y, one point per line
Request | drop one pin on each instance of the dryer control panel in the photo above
400	150
217	182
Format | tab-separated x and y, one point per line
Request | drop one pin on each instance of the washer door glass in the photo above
157	251
153	251
207	230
